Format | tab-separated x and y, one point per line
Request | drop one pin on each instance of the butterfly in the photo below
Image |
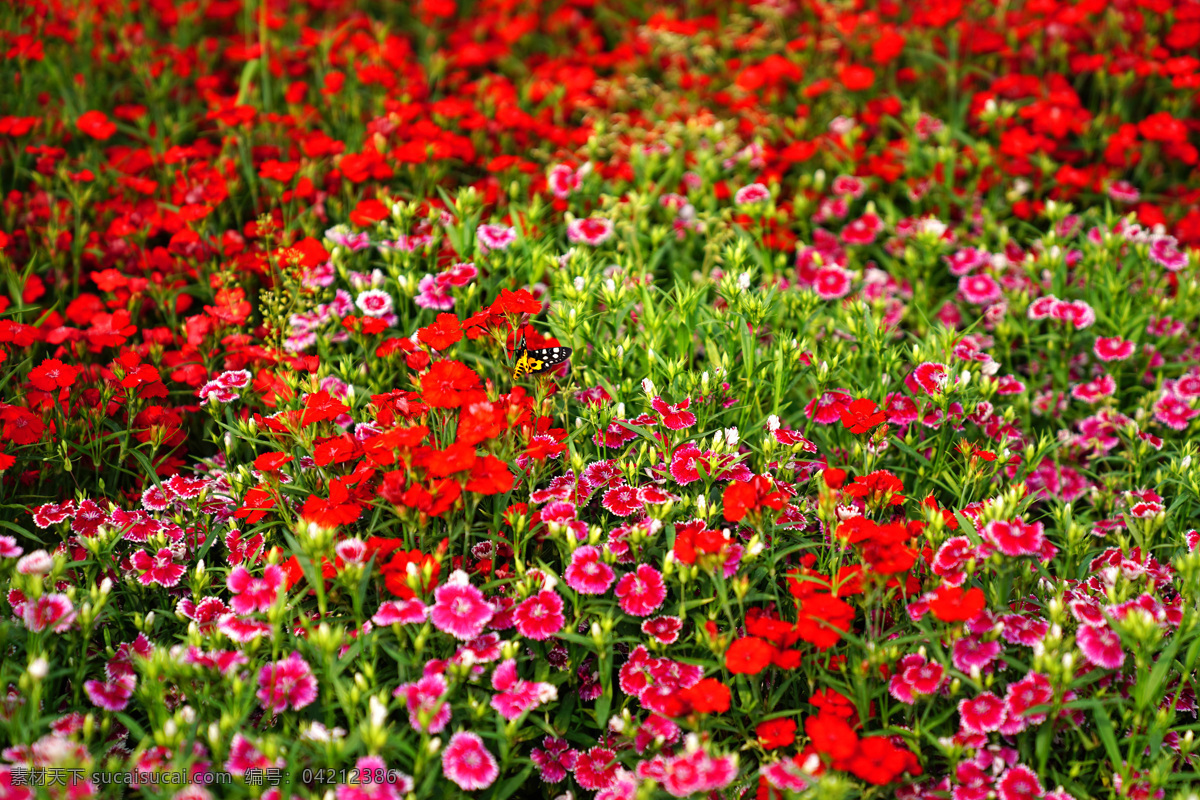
531	362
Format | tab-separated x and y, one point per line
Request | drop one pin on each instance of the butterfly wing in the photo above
533	362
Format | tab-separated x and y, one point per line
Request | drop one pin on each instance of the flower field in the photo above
599	399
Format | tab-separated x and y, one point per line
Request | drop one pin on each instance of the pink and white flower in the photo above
159	568
469	764
587	573
495	237
540	616
593	231
642	591
459	608
287	684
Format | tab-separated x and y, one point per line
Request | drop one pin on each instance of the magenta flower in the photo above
159	568
53	611
400	612
1101	646
1165	252
675	417
243	755
929	377
596	768
971	652
285	684
433	294
753	193
1014	537
587	574
983	714
254	594
832	283
495	237
427	711
459	608
664	629
641	592
980	289
541	616
516	696
554	759
467	763
1174	412
243	631
622	501
1020	783
593	230
51	513
1112	348
1076	312
112	696
683	464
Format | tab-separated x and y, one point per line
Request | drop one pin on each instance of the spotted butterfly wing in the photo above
531	362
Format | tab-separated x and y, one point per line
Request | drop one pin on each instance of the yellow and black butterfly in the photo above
531	362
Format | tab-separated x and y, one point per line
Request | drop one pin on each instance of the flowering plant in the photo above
870	472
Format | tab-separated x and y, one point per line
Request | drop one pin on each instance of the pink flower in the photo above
495	237
285	684
862	230
431	293
900	409
832	283
929	377
158	569
254	594
53	611
1174	412
9	547
675	417
109	696
51	514
1123	192
554	759
243	755
517	696
1101	646
243	630
39	562
562	180
541	616
593	230
641	592
1112	348
427	712
965	260
459	608
683	464
596	768
664	629
1019	783
622	501
983	714
754	193
1014	537
467	763
1076	312
1031	691
827	409
971	652
979	289
1095	390
400	612
587	574
1164	252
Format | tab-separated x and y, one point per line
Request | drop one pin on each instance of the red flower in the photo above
832	736
857	78
52	374
270	462
748	656
450	384
823	619
368	212
97	125
21	425
519	302
709	696
862	415
320	406
880	486
776	733
339	509
441	334
257	503
955	604
747	497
